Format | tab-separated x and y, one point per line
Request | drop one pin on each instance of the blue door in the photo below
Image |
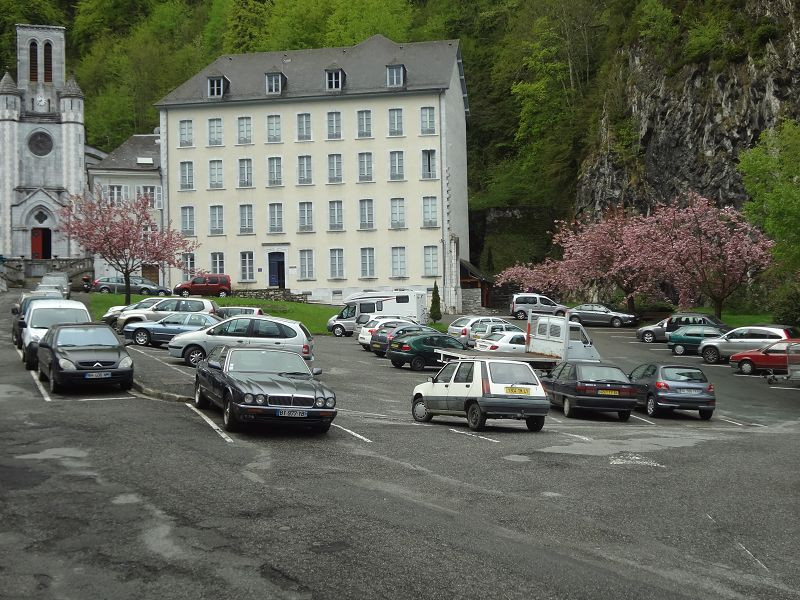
277	270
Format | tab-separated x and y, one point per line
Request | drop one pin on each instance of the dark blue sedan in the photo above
155	333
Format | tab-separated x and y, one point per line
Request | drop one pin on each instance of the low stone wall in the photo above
271	294
470	300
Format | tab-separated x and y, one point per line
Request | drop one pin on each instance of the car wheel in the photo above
321	427
651	408
417	363
141	337
705	414
559	313
648	337
624	415
534	423
162	292
338	331
520	314
419	412
222	293
105	290
42	376
575	319
711	355
679	349
30	360
398	364
229	420
200	400
185	293
55	386
569	411
616	322
746	367
18	344
476	418
193	355
144	292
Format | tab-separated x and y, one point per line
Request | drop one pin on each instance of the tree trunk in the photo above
127	275
718	307
631	305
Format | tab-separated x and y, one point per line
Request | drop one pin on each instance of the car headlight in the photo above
248	398
126	363
66	365
320	402
330	402
260	399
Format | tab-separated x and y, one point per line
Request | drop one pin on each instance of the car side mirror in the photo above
432	379
44	345
22	324
213	364
211	332
316	371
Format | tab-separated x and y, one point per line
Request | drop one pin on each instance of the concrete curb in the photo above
147	391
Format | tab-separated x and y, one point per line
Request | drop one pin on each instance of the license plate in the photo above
518	391
608	392
98	375
375	345
292	413
688	391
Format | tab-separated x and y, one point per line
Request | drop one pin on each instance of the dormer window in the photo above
334	80
395	75
216	87
274	83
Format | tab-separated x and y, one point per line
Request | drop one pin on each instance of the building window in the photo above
187	175
334	168
185	133
431	254
152	193
215	174
366	215
334	125
364	123
274	83
368	262
430	212
304	170
306	264
303	127
48	62
274	170
187	265
398	261
273	129
33	62
246	259
215	132
334	80
427	120
395	121
187	220
396	170
429	164
276	217
245	130
394	76
335	216
306	217
217	262
215	87
216	225
246	218
398	213
245	172
116	193
337	263
365	166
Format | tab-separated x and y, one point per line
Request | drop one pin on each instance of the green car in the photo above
686	340
418	350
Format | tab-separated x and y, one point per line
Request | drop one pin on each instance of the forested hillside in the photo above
575	105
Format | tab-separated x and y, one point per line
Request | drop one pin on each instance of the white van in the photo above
559	338
38	319
362	306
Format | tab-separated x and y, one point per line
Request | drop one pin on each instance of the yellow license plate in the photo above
517	390
608	392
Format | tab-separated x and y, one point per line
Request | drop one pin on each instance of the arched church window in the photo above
33	61
48	62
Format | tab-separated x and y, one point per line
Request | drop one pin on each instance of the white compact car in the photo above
502	341
365	333
38	319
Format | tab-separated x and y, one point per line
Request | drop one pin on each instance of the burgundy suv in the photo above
205	285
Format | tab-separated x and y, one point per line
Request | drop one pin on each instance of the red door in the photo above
36	242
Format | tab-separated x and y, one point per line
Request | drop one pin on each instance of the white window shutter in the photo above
159	197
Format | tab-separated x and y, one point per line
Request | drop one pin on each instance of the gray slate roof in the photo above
123	158
429	66
71	89
8	86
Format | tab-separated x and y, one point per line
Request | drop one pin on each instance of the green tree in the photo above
436	304
247	22
353	21
657	27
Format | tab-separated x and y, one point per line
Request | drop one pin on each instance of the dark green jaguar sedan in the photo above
419	350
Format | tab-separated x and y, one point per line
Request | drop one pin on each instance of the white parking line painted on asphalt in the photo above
99	399
39	385
353	433
143	353
729	421
575	435
643	419
750	554
475	435
549	418
211	423
775	387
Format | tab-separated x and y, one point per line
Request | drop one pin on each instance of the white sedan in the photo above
502	341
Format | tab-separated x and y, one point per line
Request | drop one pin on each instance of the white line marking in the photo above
359	412
39	385
710	517
661	349
621	336
181	371
353	433
775	387
549	418
643	419
729	421
757	425
580	437
98	399
475	436
750	554
211	423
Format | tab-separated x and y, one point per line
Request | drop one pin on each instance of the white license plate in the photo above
688	391
97	375
292	413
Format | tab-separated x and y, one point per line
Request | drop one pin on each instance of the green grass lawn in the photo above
313	316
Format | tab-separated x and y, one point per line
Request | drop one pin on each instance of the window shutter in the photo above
159	198
126	192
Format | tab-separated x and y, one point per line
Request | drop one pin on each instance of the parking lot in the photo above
382	506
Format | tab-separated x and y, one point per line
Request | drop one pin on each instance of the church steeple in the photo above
71	89
8	86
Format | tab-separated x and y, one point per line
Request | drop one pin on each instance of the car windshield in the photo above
42	318
86	336
460	322
602	373
494	337
683	374
266	361
512	373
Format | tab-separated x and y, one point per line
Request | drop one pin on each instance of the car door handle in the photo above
240	341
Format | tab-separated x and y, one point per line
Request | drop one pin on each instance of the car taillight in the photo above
486	389
493	347
710	388
212	312
389	338
370	331
306	349
662	385
405	347
586	388
464	331
627	391
95	282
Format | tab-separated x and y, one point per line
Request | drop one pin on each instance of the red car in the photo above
216	284
771	357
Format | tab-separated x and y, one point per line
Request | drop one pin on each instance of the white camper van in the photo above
360	307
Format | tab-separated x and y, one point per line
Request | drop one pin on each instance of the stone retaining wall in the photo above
271	294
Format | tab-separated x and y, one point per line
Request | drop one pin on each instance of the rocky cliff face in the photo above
693	124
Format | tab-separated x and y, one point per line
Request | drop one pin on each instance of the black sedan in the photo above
590	385
155	333
379	343
419	350
599	314
663	388
86	353
258	385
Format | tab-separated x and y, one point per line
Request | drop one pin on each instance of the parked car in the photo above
83	354
162	308
686	340
771	358
60	279
51	287
483	329
259	385
111	315
42	315
502	341
522	304
155	333
19	309
461	327
653	333
714	350
232	311
366	332
381	339
661	388
480	389
574	385
139	285
418	350
599	314
217	284
246	331
679	320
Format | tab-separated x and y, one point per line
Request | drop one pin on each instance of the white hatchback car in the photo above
461	327
365	334
502	341
38	319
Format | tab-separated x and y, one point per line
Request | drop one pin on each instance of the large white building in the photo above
326	171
